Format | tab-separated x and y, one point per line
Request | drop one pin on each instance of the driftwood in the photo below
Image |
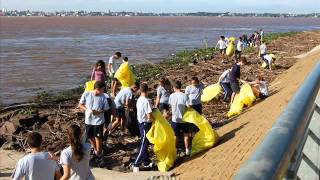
39	105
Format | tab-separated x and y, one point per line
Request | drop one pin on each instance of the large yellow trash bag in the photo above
210	92
206	137
245	97
89	86
230	49
162	136
232	39
236	107
125	75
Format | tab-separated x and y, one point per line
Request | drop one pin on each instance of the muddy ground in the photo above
52	119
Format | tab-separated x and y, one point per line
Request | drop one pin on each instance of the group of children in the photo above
104	113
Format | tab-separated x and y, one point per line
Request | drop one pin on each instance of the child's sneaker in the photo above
135	169
188	152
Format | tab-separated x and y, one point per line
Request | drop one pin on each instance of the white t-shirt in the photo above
115	63
222	44
178	102
194	94
93	102
143	108
268	58
264	88
163	94
239	46
79	170
122	96
263	49
35	166
225	76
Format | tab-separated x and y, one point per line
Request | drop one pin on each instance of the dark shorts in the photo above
180	128
120	112
107	118
235	87
261	55
223	51
93	131
197	107
163	106
262	96
238	52
113	78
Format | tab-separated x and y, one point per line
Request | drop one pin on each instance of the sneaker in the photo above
150	165
135	169
188	152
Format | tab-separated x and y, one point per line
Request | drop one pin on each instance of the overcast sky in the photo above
290	6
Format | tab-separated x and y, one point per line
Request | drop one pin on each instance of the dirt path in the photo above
241	137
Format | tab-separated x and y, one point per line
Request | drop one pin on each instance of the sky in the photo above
257	6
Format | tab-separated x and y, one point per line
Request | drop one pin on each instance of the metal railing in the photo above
281	152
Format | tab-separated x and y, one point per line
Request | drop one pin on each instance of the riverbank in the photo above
53	118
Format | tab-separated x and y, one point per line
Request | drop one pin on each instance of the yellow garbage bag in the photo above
232	39
230	49
90	86
210	92
245	97
125	75
206	137
162	136
264	64
236	107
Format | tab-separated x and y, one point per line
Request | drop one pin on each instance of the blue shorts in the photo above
180	128
120	112
163	106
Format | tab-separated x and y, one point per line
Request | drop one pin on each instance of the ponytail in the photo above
74	133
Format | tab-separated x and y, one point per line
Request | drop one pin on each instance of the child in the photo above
224	81
125	59
260	87
194	92
269	59
163	93
145	118
107	118
99	72
222	43
112	69
239	48
37	164
178	102
95	104
235	77
75	158
262	49
122	101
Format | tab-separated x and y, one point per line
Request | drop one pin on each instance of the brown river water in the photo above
57	53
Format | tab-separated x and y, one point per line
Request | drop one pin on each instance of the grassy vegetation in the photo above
274	36
48	97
